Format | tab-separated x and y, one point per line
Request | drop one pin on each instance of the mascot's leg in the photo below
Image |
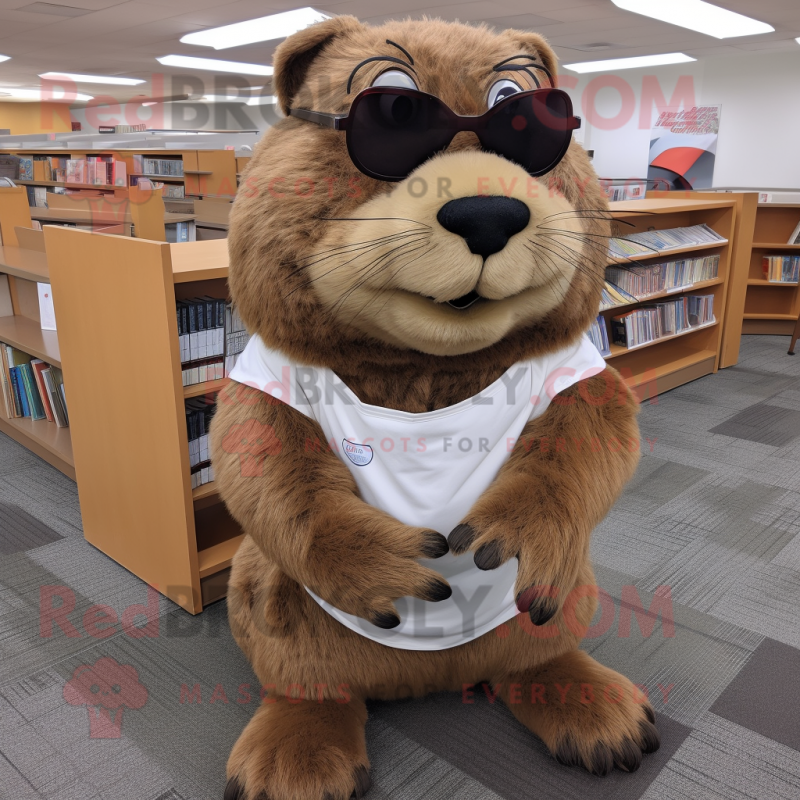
300	750
585	713
292	748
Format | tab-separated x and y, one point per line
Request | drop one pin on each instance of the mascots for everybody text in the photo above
410	438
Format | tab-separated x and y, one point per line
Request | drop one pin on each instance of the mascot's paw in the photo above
539	584
363	781
309	750
586	714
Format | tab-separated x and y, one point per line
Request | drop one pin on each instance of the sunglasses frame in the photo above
458	123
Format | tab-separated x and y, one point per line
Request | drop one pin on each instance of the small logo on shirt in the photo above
359	454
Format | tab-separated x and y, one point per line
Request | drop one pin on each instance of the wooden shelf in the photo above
204	491
218	539
199	261
764	282
667	253
70	185
29	265
197	172
663	204
27	335
219	557
619	350
792	317
173	178
209	387
646	379
774	246
44	438
669	293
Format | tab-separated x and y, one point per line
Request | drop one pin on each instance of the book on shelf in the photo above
181	231
795	237
31	387
170	167
598	336
612	296
656	242
26	168
37	196
781	269
199	412
211	336
236	337
201	337
653	322
667	276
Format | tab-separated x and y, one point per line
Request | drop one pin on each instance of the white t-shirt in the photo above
427	470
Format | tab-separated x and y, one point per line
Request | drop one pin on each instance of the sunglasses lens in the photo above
533	131
392	133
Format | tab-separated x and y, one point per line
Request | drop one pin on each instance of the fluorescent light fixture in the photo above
56	96
213	65
221	98
109	79
4	58
275	26
265	100
697	15
630	63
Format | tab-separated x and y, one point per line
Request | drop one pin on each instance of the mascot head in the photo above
421	204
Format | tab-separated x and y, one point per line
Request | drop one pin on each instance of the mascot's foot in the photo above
585	713
301	751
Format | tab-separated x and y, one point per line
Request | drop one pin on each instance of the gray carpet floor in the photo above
713	514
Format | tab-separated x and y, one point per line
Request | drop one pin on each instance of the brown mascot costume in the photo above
419	438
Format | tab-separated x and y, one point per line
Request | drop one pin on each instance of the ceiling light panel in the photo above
613	64
47	96
78	78
263	29
214	65
697	15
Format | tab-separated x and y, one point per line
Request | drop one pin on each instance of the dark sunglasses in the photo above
392	131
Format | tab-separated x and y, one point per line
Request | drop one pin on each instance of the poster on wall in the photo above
683	148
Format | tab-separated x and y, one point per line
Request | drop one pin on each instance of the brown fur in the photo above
307	525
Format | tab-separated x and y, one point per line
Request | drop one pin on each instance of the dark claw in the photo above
540	608
651	741
602	760
438	591
233	791
385	620
363	783
461	538
489	556
628	756
435	545
567	753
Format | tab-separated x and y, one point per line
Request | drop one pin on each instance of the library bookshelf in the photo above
771	307
665	363
206	173
20	271
118	341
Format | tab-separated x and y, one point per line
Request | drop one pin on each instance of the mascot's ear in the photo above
294	56
537	46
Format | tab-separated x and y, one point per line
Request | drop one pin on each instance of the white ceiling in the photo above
115	37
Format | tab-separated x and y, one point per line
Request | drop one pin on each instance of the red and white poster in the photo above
683	148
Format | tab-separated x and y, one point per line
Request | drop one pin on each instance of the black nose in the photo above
487	223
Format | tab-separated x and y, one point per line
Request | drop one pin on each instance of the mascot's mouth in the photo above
462	303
